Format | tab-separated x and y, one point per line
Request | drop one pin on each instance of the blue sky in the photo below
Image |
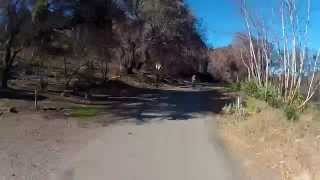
221	18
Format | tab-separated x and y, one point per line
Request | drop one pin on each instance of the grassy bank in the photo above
267	142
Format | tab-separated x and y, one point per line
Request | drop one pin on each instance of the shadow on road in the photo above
143	104
19	95
148	104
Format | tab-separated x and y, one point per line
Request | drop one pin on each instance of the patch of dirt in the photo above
33	145
271	147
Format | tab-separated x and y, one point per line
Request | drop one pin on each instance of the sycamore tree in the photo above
277	51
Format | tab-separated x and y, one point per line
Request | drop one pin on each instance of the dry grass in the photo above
268	144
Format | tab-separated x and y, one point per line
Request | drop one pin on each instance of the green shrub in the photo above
233	87
251	88
297	100
254	105
272	97
84	112
291	113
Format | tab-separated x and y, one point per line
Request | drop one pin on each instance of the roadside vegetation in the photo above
271	96
84	115
273	124
266	142
273	63
84	112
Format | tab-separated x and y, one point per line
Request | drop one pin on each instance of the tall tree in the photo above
14	15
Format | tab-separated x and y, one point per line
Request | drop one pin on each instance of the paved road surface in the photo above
160	149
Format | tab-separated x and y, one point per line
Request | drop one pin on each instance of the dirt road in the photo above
166	134
159	149
170	150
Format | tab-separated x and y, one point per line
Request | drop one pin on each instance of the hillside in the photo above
100	38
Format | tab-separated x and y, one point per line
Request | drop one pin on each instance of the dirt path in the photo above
154	134
171	150
176	149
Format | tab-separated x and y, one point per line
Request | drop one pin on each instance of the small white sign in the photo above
158	66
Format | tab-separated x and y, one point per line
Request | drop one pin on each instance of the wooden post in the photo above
158	68
36	100
238	103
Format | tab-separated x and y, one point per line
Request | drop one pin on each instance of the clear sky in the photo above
222	18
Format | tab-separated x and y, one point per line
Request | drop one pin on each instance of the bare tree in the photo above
292	50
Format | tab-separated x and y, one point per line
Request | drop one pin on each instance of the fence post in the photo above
36	99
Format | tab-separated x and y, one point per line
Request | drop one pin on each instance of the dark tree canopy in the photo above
134	33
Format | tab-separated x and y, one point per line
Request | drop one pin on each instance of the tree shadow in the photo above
19	95
144	105
127	103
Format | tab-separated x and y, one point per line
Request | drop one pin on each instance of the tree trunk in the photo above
130	70
132	66
5	78
6	69
8	60
133	58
